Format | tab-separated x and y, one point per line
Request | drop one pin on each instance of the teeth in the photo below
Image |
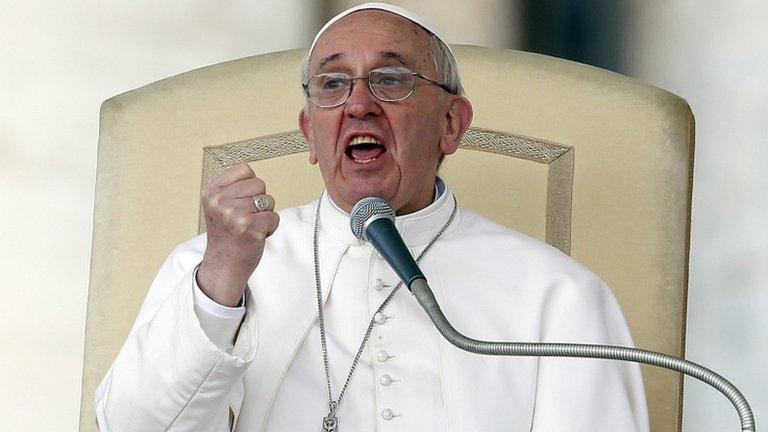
363	139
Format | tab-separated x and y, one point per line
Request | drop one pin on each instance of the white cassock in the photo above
176	374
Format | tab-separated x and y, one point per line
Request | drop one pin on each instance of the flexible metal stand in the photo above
427	300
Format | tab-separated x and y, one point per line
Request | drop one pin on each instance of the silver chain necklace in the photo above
331	421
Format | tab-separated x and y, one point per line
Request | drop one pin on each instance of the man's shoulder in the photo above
295	221
477	228
488	239
301	214
513	265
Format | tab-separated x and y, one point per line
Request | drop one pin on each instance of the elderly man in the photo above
254	326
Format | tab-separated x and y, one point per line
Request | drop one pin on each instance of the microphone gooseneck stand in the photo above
372	220
426	299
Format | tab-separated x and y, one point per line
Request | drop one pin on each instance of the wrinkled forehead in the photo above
374	32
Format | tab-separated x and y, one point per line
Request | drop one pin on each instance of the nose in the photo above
362	102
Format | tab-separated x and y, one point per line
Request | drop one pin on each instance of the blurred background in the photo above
60	60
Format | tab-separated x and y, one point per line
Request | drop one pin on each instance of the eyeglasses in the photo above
388	84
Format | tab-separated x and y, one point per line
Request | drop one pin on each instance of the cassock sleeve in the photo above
169	375
220	323
587	395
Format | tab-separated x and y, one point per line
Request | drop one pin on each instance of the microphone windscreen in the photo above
365	211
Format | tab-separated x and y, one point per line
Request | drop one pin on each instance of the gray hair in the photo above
445	64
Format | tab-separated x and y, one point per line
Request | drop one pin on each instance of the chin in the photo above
352	197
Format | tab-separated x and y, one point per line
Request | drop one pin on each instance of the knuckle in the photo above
240	223
245	169
211	202
259	184
207	192
215	200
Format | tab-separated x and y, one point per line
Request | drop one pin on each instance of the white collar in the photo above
416	228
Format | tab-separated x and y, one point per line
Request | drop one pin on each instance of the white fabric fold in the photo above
170	372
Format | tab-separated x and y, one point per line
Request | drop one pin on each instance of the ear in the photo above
305	125
457	120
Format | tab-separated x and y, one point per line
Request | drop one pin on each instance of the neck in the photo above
430	196
422	203
416	228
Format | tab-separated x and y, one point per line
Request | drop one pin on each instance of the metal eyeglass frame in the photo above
352	80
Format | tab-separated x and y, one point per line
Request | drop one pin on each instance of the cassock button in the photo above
387	380
379	255
388	414
379	318
383	356
380	285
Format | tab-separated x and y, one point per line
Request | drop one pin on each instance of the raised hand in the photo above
239	216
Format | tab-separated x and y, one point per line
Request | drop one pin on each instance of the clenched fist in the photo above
236	230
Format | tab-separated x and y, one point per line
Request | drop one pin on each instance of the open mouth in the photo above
365	149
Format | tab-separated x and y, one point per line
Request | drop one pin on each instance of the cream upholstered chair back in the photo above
595	163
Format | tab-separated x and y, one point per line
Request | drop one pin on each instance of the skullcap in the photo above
397	10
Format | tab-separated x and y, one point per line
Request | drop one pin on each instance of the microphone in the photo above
372	220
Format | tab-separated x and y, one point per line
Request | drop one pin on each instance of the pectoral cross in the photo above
331	422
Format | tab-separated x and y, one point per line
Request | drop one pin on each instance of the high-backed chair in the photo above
595	163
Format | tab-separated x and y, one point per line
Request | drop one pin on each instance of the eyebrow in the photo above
383	54
330	59
394	56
